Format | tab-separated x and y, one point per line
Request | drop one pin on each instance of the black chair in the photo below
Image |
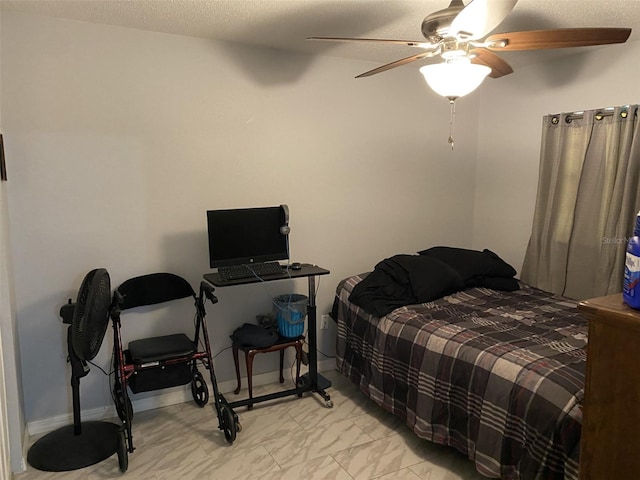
163	361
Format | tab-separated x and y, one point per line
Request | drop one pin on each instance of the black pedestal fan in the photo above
83	443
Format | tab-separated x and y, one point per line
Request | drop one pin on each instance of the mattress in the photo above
497	375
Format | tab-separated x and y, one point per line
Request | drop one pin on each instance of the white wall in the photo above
10	381
510	130
120	140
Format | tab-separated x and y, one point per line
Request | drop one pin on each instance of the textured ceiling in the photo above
284	24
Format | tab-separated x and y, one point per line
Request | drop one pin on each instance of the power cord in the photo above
317	350
100	368
226	348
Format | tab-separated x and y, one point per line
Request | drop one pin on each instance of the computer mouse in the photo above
296	266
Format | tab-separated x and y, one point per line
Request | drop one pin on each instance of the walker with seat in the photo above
168	360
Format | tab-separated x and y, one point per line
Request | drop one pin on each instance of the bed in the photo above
498	375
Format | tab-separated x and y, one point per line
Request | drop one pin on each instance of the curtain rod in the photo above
601	113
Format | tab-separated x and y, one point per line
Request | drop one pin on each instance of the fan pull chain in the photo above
452	122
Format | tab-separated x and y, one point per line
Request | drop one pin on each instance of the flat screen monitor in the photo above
247	235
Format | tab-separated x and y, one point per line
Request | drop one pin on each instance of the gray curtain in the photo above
588	197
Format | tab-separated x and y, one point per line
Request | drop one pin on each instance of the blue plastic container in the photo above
631	284
290	310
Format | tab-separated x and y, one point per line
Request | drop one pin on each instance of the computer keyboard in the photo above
237	272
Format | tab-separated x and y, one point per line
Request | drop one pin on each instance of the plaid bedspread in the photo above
497	375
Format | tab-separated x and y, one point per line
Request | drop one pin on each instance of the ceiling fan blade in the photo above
499	68
397	63
479	17
409	43
557	38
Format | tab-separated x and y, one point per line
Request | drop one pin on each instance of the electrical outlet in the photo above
324	322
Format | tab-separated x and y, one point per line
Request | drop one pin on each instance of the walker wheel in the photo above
228	425
199	389
123	454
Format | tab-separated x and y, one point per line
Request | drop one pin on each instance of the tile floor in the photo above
289	438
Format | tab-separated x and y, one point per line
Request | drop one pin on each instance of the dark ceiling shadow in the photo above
267	66
276	65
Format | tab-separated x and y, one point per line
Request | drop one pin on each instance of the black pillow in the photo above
471	263
431	279
500	283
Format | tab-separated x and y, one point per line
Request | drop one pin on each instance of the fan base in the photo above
62	450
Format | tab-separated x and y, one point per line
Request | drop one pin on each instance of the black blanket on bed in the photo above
439	271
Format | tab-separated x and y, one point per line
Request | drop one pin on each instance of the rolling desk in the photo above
311	381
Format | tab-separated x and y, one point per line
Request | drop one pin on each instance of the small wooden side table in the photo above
249	352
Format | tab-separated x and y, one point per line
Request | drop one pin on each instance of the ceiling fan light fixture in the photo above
454	54
454	79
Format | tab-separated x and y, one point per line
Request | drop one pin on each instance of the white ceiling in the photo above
284	24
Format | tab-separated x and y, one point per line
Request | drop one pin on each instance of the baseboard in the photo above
164	398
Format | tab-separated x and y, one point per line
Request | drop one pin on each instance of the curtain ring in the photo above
555	120
624	114
599	116
568	119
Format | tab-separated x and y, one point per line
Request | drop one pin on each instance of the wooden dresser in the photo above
610	441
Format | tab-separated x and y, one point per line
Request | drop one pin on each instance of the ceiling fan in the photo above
455	34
